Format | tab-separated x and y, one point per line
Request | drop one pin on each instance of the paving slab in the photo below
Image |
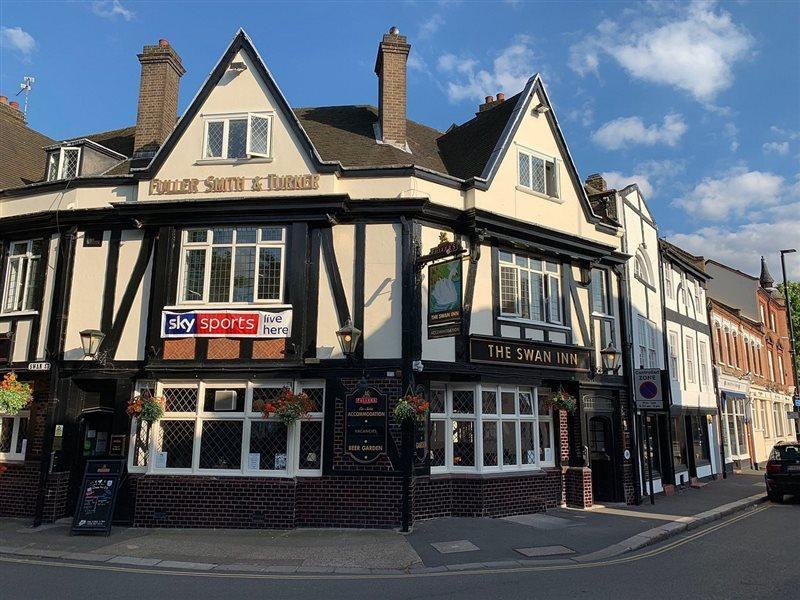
455	546
540	551
543	521
87	556
239	567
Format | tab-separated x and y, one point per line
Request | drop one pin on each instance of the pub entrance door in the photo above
601	458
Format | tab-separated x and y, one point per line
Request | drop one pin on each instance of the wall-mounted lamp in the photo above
610	356
348	337
90	341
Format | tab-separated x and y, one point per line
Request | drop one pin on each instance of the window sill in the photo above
226	306
232	161
19	313
473	474
531	192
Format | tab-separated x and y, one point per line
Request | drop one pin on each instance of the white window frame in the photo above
691	376
781	374
702	362
209	245
668	280
605	292
60	164
772	320
22	290
554	161
771	363
546	275
764	417
646	334
12	455
776	419
674	356
225	119
479	418
247	416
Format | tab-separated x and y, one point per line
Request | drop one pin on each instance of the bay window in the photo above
13	436
530	288
22	275
218	428
232	265
490	428
237	136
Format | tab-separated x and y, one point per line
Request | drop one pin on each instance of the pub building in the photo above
340	251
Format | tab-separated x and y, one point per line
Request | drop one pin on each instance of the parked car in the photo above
783	471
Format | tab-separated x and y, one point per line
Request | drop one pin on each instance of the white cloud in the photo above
781	148
417	63
430	27
16	38
736	193
742	247
690	47
112	9
651	176
785	133
632	130
617	181
731	132
509	73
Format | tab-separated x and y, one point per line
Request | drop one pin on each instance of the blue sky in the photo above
699	103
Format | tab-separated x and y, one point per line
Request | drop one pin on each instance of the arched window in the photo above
642	268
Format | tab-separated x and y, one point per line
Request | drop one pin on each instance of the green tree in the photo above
794	300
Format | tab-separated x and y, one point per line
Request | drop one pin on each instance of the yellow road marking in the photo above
563	567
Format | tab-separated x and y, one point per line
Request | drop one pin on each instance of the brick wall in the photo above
158	96
18	487
488	496
393	55
578	485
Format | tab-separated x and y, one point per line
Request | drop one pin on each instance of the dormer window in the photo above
235	137
63	163
537	173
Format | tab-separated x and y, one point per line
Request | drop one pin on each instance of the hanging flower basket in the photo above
411	406
288	406
14	395
561	400
146	408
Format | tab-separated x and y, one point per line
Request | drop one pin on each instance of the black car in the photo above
783	471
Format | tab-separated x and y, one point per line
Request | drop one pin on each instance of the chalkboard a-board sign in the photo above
366	425
95	510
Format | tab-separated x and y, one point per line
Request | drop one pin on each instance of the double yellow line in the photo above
560	567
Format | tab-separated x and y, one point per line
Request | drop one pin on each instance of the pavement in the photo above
558	537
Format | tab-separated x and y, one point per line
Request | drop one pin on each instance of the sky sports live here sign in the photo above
226	323
649	389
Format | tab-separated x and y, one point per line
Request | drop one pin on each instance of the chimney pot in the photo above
394	30
3	99
500	96
14	104
163	42
489	99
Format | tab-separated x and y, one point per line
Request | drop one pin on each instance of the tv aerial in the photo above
26	86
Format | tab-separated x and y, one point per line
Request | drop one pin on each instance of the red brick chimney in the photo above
491	102
597	181
11	109
390	67
158	97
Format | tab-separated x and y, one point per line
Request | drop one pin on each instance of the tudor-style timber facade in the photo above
219	257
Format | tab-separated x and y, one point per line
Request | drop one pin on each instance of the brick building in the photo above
753	362
219	257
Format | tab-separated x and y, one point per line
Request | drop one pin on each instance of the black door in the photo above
601	458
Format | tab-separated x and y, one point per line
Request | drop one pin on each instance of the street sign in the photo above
649	393
38	366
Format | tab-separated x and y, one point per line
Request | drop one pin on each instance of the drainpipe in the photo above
56	335
715	376
626	360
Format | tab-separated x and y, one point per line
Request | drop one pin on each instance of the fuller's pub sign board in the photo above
366	424
444	299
